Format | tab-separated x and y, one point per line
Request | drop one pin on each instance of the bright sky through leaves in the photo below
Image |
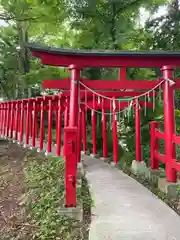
144	14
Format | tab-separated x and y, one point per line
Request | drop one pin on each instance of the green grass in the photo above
46	194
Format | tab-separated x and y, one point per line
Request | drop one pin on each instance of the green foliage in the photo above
78	24
27	21
166	27
105	24
177	115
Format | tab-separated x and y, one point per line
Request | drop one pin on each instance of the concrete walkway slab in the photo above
124	209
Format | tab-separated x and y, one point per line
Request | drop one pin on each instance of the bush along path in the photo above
32	192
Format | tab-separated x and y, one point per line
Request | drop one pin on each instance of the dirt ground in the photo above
13	216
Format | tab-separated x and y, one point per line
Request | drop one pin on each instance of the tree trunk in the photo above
23	56
113	29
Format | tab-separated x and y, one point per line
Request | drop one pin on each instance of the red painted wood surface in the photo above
141	60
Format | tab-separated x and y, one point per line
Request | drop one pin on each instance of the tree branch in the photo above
2	17
113	28
5	41
104	18
4	89
128	5
1	83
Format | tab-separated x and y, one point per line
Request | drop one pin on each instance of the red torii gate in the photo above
76	60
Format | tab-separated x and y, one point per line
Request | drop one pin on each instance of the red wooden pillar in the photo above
169	123
79	136
93	119
10	109
71	139
22	122
25	115
8	118
5	115
0	118
28	112
17	120
66	114
41	138
19	117
38	119
84	137
34	123
122	74
49	147
115	138
104	136
56	117
154	163
5	119
138	131
66	121
30	121
59	127
12	119
37	122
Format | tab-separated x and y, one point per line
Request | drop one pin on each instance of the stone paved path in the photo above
124	209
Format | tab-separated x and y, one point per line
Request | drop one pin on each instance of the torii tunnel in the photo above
77	89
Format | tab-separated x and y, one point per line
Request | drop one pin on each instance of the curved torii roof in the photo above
103	58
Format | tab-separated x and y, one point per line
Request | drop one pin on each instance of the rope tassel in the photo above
153	100
145	106
171	82
110	112
112	100
119	115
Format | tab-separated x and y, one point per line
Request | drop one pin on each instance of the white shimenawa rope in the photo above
124	99
128	99
106	113
110	113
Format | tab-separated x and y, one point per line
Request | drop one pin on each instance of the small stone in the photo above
168	188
